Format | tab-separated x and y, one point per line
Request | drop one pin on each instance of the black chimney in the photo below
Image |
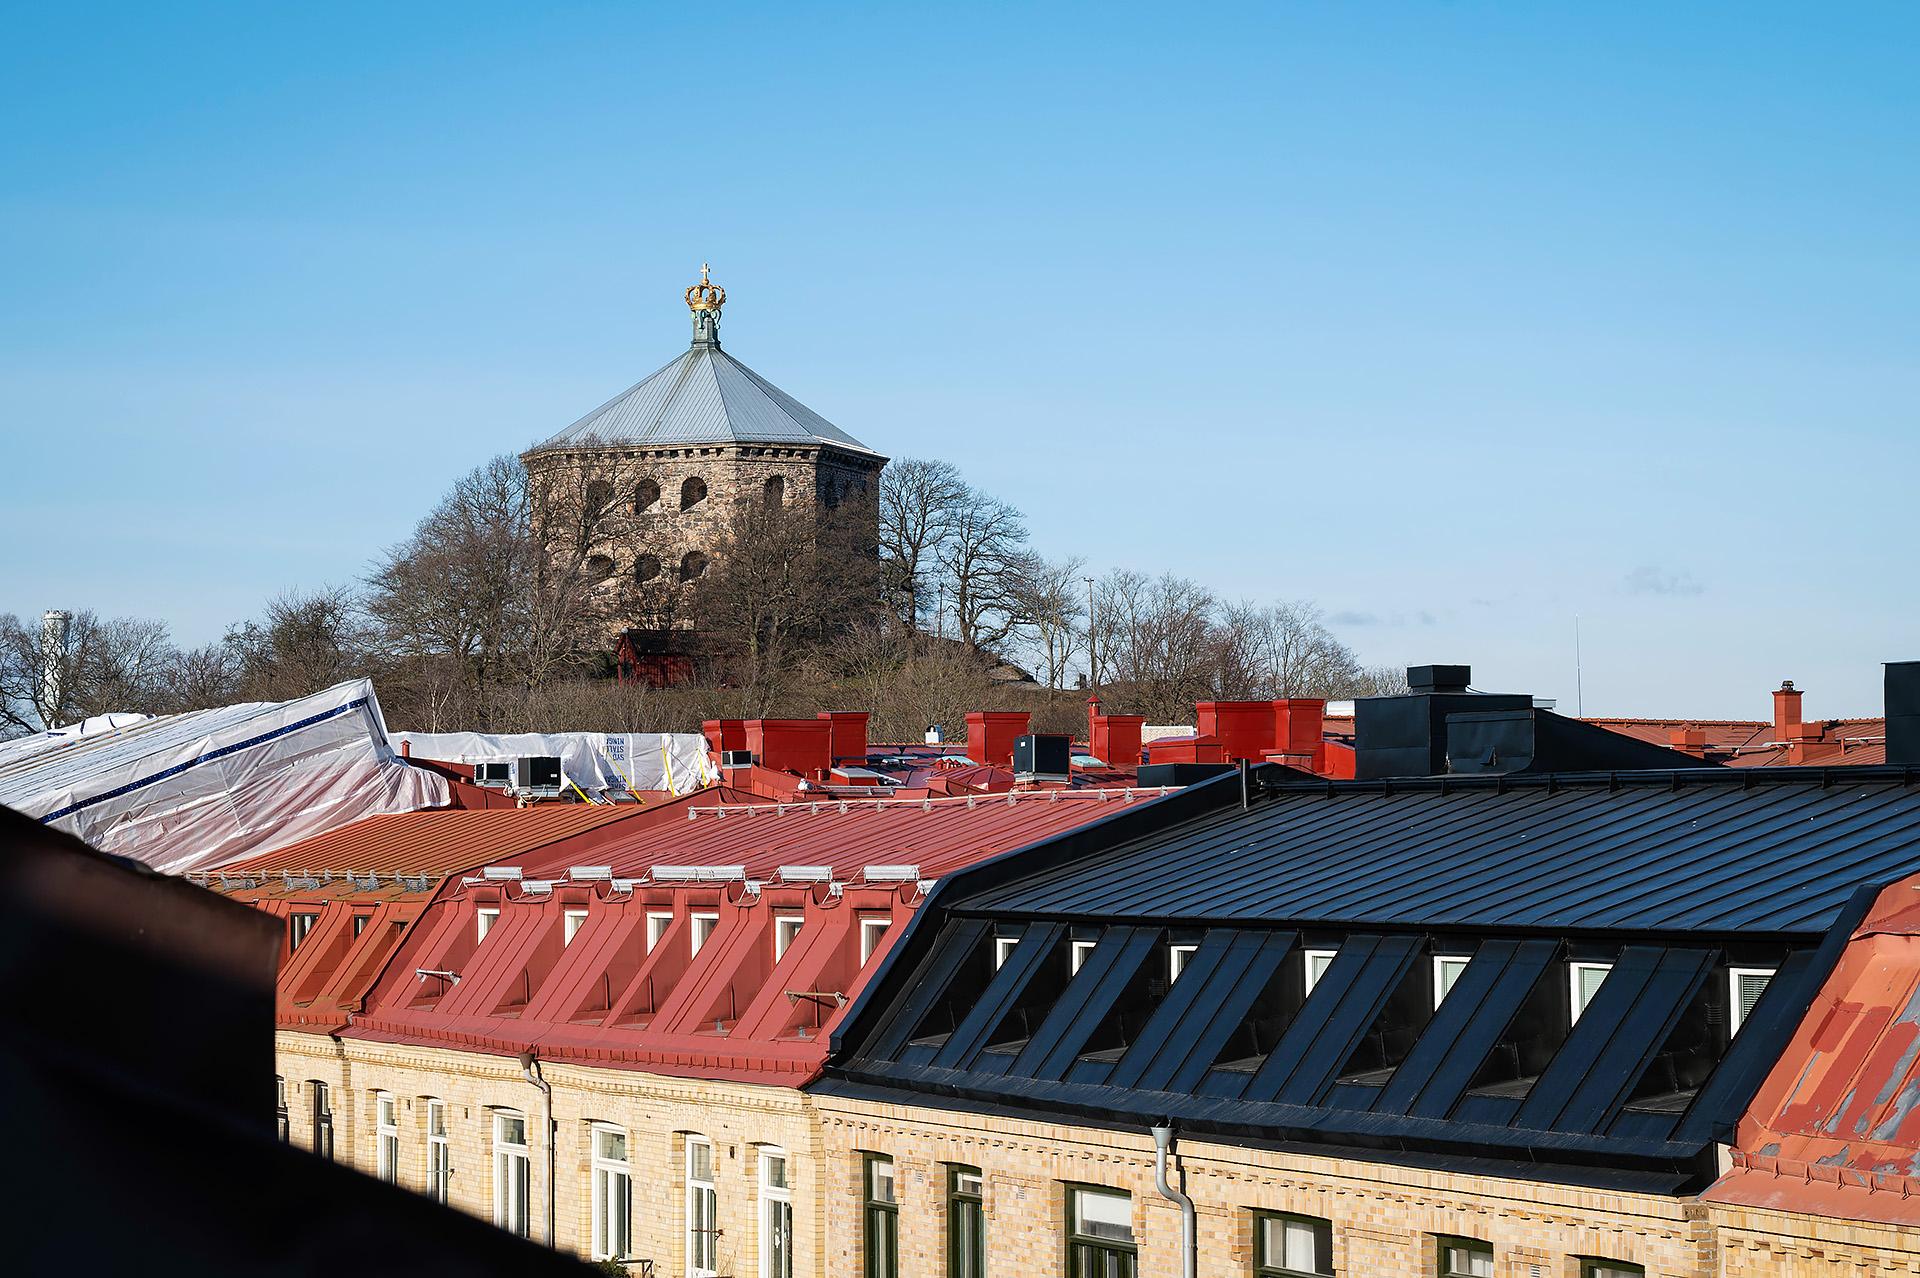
1903	712
1406	736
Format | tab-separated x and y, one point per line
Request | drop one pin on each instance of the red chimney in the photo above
1115	738
725	734
849	735
1691	741
1786	712
1243	728
802	746
1298	724
991	734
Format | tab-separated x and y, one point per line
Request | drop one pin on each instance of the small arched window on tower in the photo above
599	567
599	495
693	492
646	568
646	495
774	492
693	566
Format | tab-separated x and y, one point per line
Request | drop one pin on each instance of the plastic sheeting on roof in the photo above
197	790
604	764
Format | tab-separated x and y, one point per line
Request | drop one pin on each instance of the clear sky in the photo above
1460	319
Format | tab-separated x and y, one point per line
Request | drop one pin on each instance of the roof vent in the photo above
1439	678
700	873
806	873
892	873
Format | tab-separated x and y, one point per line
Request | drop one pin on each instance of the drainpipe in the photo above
1189	1255
530	1066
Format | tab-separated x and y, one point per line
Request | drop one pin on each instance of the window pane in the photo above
610	1145
700	1160
880	1180
1446	971
1612	1269
1103	1215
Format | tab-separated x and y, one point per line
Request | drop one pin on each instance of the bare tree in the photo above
121	664
1159	637
1049	600
1282	650
788	580
919	504
982	562
301	644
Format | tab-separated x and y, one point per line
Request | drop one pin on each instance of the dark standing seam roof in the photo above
1699	856
1684	868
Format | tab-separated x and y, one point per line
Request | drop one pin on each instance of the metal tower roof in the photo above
703	397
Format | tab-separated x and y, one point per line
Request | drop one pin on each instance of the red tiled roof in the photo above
1835	1129
621	993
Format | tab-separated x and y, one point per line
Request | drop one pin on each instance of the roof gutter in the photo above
1189	1255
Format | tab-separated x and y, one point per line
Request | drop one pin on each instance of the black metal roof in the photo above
1673	879
1714	851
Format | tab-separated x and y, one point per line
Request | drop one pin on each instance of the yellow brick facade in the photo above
657	1112
1386	1219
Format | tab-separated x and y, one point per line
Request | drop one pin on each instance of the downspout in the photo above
1189	1254
530	1066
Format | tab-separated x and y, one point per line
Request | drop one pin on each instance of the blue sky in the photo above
1460	319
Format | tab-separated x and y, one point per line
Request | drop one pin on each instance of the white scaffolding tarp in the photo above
195	791
604	765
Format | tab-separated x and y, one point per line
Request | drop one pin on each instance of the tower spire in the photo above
705	300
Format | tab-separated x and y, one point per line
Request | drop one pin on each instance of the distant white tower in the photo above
54	626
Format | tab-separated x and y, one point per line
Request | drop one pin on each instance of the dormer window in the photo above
1077	952
1177	958
1003	950
1446	970
1317	962
703	926
1584	980
786	930
298	925
657	925
484	919
572	922
1748	984
872	932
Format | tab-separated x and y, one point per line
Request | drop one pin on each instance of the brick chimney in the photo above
1245	729
848	735
1786	712
1691	741
991	734
800	746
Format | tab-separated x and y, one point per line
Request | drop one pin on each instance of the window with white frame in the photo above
1316	963
776	1214
1003	950
1584	982
1178	956
786	930
484	919
512	1173
612	1194
439	1153
298	925
1077	952
386	1137
703	925
360	923
1748	984
571	921
1289	1246
657	924
702	1211
872	932
1446	970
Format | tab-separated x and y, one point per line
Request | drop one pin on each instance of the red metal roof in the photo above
629	987
1835	1129
1753	743
435	841
349	883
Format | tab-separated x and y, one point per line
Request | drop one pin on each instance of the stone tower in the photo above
672	458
